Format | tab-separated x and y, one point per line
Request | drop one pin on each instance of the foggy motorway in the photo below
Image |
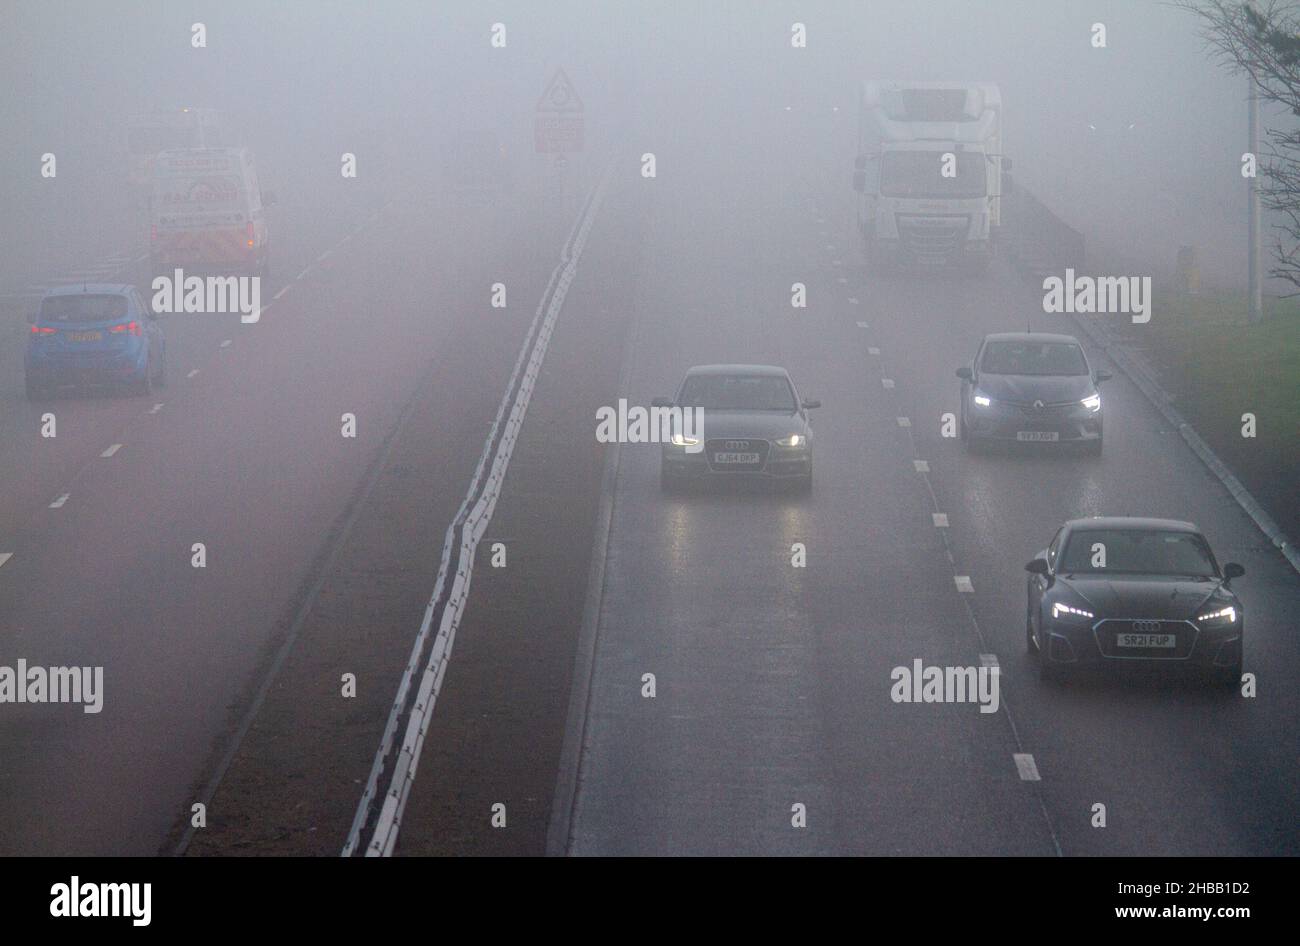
362	578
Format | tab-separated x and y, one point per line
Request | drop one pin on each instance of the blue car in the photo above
94	334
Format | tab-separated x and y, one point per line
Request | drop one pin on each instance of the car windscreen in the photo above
730	392
922	174
1137	552
1033	358
83	307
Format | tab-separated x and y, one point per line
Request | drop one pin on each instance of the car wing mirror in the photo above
1103	376
1232	570
810	404
1037	567
662	402
965	373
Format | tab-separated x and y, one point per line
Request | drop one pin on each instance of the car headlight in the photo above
1226	615
981	400
794	440
1058	610
1092	402
680	440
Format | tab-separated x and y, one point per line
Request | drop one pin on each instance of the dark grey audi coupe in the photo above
1137	592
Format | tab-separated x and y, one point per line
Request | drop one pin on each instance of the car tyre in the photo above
1227	677
1049	671
144	387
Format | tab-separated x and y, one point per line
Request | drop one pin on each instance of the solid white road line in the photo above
963	583
1026	767
282	291
324	256
111	450
58	503
302	274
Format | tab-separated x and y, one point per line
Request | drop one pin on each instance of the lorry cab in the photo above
929	171
208	212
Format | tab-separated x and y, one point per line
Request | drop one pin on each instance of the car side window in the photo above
1053	549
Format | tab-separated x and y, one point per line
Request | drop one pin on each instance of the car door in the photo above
1038	583
150	324
969	385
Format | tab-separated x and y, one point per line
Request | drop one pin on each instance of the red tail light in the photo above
249	231
43	330
131	328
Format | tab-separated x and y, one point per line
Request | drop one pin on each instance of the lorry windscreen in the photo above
920	174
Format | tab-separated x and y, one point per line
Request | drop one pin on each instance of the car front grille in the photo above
722	445
1107	633
932	239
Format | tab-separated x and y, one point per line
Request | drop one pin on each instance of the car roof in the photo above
103	288
772	370
1030	336
1131	522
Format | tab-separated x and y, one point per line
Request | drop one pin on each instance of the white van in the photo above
207	212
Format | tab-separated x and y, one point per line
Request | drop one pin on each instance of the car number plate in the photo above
735	458
85	336
1038	436
1147	640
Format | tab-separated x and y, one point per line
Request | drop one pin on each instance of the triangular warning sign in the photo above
560	95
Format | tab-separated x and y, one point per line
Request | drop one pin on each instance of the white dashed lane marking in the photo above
155	409
193	372
225	343
5	556
922	466
111	450
853	300
873	351
59	502
282	291
940	519
1026	767
302	274
887	383
863	325
963	583
904	422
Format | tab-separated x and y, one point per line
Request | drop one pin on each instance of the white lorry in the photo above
929	171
